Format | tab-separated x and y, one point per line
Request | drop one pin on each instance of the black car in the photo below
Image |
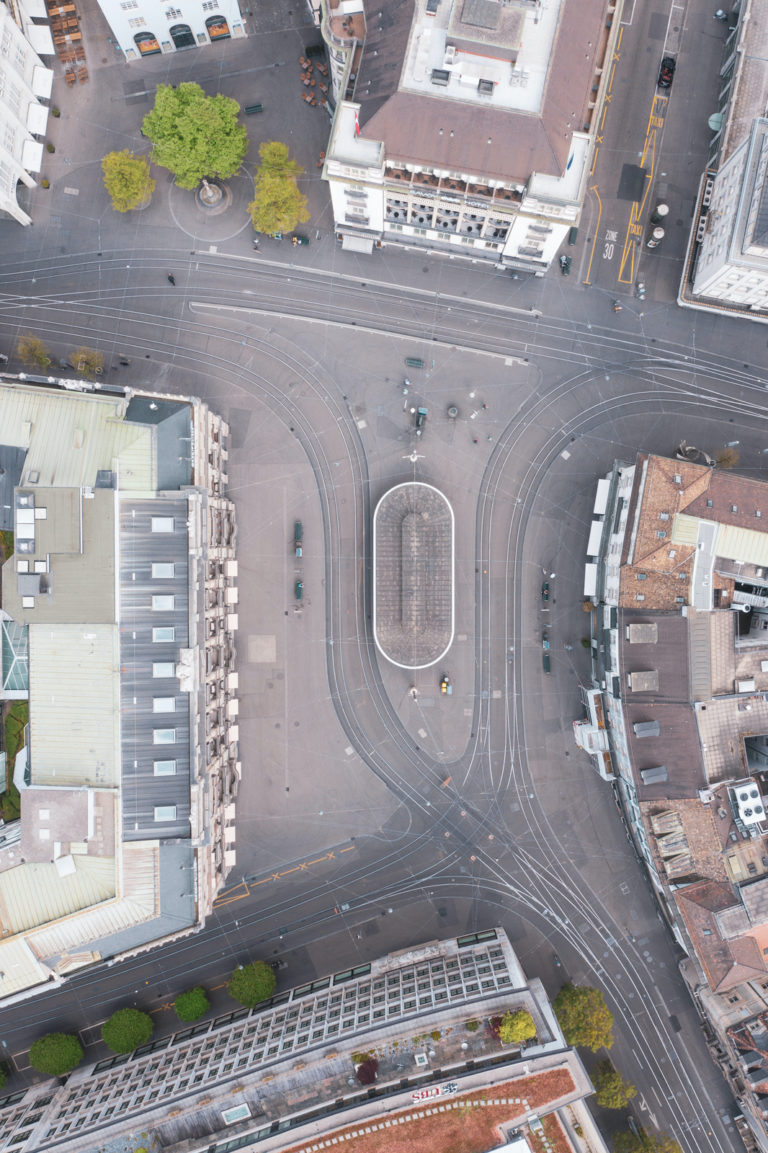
667	72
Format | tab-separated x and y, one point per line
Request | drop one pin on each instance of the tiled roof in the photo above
522	143
726	964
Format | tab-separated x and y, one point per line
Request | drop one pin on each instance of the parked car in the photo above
300	238
446	686
298	535
420	420
667	72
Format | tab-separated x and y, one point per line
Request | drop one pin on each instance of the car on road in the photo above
299	590
545	591
298	536
667	72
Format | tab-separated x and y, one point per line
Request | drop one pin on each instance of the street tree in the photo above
88	361
727	457
645	1143
278	205
126	1029
55	1054
192	1004
30	349
584	1017
611	1090
367	1071
195	136
250	984
127	179
516	1027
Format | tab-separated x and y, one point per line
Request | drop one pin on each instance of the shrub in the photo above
516	1027
55	1054
50	147
366	1073
45	183
55	112
435	1034
191	1005
252	983
472	1026
126	1030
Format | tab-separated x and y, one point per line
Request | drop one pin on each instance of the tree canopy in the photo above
645	1143
192	1004
278	205
88	361
584	1017
252	983
127	179
32	350
195	135
126	1030
611	1090
516	1027
55	1054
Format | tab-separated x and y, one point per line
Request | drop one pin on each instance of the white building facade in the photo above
449	131
728	252
25	82
144	29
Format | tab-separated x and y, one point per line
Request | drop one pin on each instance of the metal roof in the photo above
143	790
74	673
70	437
33	894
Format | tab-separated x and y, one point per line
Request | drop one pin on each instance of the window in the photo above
734	508
661	534
165	768
129	4
164	736
27	602
162	524
678	479
639	596
672	553
162	604
641	576
164	634
22	566
165	812
140	22
162	570
710	503
210	5
163	669
164	705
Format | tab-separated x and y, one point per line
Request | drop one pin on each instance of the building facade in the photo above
677	716
144	29
25	83
464	127
119	616
728	253
283	1075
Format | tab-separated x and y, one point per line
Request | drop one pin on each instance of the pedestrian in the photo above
171	279
720	15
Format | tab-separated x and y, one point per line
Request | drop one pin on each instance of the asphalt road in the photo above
470	811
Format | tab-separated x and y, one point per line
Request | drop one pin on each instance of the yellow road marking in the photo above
593	188
243	889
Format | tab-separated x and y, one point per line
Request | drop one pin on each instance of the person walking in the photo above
171	279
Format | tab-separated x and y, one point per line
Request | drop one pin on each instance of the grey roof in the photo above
413	575
142	789
755	899
11	464
760	231
647	729
654	776
173	420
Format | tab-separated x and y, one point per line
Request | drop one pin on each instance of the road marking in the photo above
593	188
243	889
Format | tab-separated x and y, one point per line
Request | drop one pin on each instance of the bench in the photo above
251	108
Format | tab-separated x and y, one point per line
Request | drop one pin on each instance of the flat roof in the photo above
413	563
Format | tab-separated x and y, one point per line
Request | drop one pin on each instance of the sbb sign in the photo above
434	1091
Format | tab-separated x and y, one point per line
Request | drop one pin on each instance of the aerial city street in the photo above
383	401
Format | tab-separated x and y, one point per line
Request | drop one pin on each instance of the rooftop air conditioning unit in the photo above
450	54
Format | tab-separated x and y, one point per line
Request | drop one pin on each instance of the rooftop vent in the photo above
441	77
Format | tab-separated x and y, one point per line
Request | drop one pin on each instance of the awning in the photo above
42	81
39	36
32	156
358	244
37	118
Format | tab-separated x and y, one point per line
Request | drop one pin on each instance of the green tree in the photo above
727	457
3	1075
278	206
127	179
191	1005
645	1143
516	1027
31	350
126	1030
195	135
611	1090
252	983
584	1017
55	1054
88	361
